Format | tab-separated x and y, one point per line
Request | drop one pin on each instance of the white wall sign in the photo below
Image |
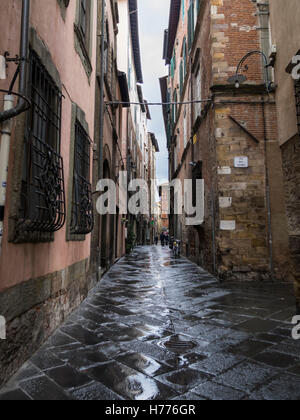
224	170
227	225
225	202
241	162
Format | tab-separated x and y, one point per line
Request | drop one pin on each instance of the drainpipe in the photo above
22	104
10	111
213	218
268	194
264	18
101	111
192	108
4	157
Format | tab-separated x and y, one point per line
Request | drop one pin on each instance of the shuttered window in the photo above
184	57
191	25
181	78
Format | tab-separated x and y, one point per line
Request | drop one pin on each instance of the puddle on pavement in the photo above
178	344
143	364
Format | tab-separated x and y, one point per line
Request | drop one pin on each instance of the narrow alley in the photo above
160	328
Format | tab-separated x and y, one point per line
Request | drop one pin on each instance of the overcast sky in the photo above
153	20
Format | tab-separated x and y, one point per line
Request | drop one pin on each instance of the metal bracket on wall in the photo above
255	139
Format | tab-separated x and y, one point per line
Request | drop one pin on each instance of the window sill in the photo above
76	238
23	237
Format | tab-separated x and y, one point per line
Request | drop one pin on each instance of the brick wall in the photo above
234	33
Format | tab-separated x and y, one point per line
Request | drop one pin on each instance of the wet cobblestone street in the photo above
162	328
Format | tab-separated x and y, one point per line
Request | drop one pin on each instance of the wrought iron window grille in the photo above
82	221
42	191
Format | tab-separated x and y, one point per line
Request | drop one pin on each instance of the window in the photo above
172	67
106	50
82	29
197	175
184	57
82	221
84	21
185	129
174	107
181	78
191	24
175	156
42	192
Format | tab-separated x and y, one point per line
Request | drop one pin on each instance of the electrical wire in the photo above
158	103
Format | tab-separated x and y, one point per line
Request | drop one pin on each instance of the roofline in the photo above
123	83
147	110
164	89
134	26
154	141
141	98
170	34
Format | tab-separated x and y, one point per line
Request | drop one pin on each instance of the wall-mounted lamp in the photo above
238	79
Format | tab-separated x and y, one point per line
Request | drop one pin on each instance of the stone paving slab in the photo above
164	329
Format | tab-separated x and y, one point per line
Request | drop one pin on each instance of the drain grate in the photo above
178	344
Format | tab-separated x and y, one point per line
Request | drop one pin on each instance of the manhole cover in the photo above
178	344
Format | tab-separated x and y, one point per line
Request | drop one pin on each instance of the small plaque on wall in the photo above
241	162
228	225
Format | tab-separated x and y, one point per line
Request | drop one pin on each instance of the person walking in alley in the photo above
156	240
162	239
167	238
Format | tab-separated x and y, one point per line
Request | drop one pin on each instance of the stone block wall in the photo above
35	309
291	168
242	237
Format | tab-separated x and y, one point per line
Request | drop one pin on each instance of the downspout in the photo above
268	197
22	104
192	108
10	111
101	110
213	231
101	113
4	157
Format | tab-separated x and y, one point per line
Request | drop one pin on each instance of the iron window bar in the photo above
43	191
82	221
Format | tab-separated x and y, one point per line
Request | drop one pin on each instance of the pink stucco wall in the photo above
19	263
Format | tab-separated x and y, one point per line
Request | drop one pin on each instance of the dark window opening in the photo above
84	21
82	221
197	175
42	192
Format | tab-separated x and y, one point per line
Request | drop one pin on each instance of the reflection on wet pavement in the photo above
159	328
